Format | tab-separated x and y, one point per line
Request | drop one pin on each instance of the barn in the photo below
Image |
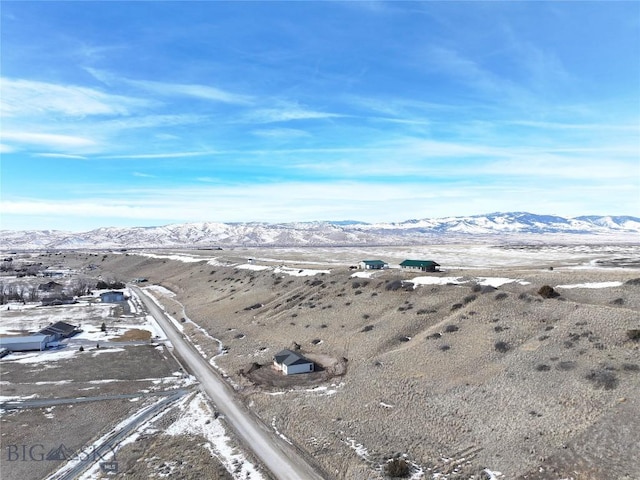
291	362
25	343
422	265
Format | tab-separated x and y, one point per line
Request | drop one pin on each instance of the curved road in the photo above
280	458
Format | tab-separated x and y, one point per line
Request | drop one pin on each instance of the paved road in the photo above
282	460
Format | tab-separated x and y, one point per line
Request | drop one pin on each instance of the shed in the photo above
112	297
373	265
422	265
25	343
291	362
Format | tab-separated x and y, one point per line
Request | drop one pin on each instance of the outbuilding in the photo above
112	297
25	343
59	330
291	362
422	265
373	265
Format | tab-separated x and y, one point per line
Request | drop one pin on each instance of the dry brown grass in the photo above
437	401
133	334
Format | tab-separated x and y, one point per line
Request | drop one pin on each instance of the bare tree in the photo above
33	295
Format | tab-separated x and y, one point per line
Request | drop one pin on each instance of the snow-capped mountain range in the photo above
507	227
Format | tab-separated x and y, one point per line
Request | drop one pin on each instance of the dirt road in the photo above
280	458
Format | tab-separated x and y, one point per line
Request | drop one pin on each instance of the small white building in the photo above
290	362
25	343
373	265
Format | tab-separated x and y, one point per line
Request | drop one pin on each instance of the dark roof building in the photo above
60	330
50	287
422	265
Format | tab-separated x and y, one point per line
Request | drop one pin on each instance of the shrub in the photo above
444	348
542	367
634	334
357	292
451	328
547	291
501	296
618	301
502	347
566	365
633	281
469	298
254	306
397	468
630	367
367	328
394	285
456	306
604	379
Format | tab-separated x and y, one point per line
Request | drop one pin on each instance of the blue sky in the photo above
149	113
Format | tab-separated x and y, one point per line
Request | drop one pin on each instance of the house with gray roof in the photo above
290	362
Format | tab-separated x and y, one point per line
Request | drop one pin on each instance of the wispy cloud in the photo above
281	133
204	92
32	98
60	155
287	114
51	140
159	155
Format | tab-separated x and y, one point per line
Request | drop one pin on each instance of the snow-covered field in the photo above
448	256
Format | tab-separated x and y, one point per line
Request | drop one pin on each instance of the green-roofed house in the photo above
422	265
373	265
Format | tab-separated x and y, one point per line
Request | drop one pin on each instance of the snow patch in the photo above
198	418
592	285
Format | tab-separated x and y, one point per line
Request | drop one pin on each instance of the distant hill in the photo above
511	226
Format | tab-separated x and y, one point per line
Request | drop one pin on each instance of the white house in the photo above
291	362
373	265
